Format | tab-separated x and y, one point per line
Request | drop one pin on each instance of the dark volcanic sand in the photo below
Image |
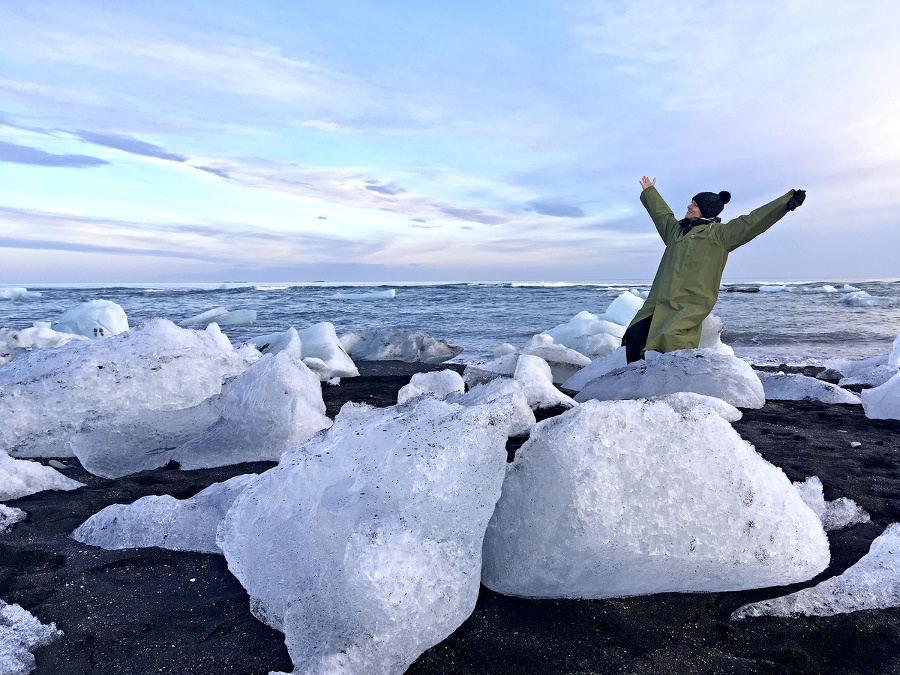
156	611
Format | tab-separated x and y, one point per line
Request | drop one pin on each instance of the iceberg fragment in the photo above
9	517
95	319
793	387
657	498
863	299
398	345
39	336
883	402
18	293
20	633
21	477
441	384
835	515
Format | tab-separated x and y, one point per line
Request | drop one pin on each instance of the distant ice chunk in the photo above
657	498
849	289
504	349
163	521
870	377
881	403
20	634
18	293
270	407
377	295
441	384
872	583
39	336
49	394
624	308
702	371
238	317
10	516
398	345
204	318
827	288
596	368
364	545
21	477
836	514
857	368
95	319
792	387
863	299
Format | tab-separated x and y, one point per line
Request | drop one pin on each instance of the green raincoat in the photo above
686	285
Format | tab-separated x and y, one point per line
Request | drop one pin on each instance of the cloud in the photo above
474	215
221	173
129	144
556	209
22	154
387	189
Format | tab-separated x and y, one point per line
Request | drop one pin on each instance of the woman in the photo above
686	285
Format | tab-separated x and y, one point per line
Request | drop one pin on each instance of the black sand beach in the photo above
157	611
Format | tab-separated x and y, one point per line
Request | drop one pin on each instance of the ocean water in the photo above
801	324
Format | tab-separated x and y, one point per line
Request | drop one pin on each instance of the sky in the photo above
440	141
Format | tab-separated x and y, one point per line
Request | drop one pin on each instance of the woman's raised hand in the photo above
646	182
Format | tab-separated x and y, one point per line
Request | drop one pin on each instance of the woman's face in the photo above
693	211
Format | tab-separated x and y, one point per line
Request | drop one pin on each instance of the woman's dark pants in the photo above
635	339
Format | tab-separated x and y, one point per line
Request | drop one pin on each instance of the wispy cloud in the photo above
129	144
23	154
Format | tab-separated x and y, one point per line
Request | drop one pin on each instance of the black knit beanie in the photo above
711	204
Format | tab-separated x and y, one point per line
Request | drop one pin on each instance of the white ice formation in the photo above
21	477
702	371
376	295
270	407
595	336
398	345
872	583
659	497
95	319
48	394
881	403
863	299
9	516
793	387
500	391
440	384
894	358
711	335
563	362
223	317
869	372
317	346
364	545
20	633
39	336
535	379
599	366
163	521
18	293
836	514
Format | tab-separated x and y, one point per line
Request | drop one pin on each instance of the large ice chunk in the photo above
163	521
20	633
881	403
270	407
711	335
536	380
441	384
702	371
836	514
398	345
46	395
38	336
364	545
624	308
872	583
623	498
563	362
6	354
792	387
223	317
596	368
500	391
21	477
588	334
321	342
502	366
95	319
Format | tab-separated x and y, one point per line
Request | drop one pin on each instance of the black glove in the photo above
796	200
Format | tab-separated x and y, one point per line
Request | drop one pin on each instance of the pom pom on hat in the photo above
711	204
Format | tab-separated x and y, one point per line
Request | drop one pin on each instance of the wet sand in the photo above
157	611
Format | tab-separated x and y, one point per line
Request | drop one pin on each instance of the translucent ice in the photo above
20	633
623	498
836	514
881	403
863	299
46	395
588	334
397	345
95	319
711	335
319	341
439	383
163	521
623	309
502	366
703	371
206	317
500	391
596	368
792	387
217	335
894	358
9	516
6	354
364	545
534	376
872	583
21	477
273	343
40	335
563	362
18	293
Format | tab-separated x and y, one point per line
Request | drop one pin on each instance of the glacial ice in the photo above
10	516
364	545
711	335
657	498
273	343
223	317
872	583
398	345
163	521
270	407
863	299
204	318
894	358
624	308
21	477
46	395
563	362
217	335
317	346
595	336
871	372
39	336
703	371
534	376
95	319
500	391
18	293
20	633
502	366
6	354
881	403
834	515
441	384
596	368
793	387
